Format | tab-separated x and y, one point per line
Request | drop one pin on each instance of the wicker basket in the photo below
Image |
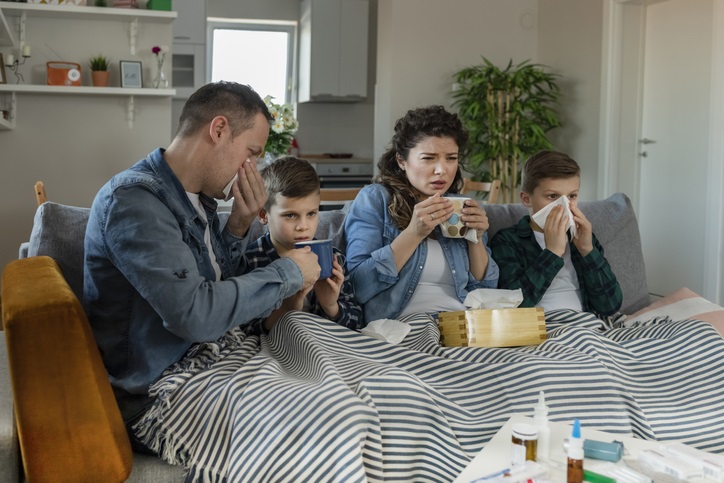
492	327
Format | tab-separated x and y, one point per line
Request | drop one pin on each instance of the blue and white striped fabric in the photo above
314	401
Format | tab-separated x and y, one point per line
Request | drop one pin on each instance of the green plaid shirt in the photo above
525	265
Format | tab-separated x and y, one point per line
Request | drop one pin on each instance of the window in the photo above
257	53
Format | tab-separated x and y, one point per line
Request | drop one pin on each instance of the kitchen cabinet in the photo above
333	39
190	25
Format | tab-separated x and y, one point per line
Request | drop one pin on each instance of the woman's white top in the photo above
435	292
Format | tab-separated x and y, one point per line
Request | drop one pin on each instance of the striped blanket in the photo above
313	401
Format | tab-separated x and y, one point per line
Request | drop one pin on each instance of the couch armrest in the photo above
68	422
9	449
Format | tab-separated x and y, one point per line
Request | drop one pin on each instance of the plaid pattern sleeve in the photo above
350	311
599	287
524	265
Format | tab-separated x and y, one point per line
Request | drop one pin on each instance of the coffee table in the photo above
496	454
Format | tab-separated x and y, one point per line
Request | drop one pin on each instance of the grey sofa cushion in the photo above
614	223
58	232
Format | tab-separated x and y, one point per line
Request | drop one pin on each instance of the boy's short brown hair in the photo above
289	176
547	164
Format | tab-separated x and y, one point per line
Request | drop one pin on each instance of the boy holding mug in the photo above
291	216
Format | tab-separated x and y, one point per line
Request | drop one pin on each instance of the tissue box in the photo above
492	327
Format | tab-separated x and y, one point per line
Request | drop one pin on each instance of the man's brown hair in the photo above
548	164
289	176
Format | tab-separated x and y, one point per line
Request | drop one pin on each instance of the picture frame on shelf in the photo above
3	75
131	73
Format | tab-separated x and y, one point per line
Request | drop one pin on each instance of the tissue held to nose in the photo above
541	216
227	190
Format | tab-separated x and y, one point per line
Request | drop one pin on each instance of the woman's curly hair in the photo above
410	130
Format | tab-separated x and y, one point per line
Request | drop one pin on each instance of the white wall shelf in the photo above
86	13
25	10
13	89
86	90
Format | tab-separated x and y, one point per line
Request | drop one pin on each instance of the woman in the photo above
400	263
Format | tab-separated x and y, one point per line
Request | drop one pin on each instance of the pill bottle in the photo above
524	439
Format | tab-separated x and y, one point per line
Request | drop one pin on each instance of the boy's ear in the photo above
262	216
525	199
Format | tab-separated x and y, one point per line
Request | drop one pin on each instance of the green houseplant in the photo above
508	113
99	65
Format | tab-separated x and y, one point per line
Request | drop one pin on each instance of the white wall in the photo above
569	42
74	143
422	43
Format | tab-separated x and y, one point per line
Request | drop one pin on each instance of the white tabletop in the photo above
496	454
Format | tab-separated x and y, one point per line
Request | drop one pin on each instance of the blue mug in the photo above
325	254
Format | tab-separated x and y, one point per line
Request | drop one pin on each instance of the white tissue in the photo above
541	216
492	298
227	190
389	330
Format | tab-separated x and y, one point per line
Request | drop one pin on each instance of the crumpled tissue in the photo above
389	330
491	298
227	189
541	216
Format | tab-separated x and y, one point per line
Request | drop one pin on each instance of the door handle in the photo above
647	141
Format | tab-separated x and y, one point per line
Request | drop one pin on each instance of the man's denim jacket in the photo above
384	293
149	286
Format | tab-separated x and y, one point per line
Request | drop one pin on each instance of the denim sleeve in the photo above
369	256
236	247
491	273
147	244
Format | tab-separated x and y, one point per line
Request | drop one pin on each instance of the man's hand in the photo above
554	231
308	264
249	197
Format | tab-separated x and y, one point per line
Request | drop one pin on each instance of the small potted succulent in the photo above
100	66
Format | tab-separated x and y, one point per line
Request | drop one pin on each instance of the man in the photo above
160	271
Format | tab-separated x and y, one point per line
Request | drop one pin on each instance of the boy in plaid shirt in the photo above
291	215
555	270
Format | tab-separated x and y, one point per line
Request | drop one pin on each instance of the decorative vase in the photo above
101	78
160	81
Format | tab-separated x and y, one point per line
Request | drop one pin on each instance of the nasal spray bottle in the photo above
540	420
575	454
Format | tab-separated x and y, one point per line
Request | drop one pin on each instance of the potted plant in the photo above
99	65
507	113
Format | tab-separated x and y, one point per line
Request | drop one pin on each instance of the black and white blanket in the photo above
313	401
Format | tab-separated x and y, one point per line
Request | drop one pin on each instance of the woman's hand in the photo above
429	213
475	218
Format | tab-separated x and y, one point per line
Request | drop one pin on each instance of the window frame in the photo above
287	26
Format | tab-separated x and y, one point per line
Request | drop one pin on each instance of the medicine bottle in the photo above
525	444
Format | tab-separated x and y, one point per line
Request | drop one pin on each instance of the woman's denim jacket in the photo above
149	286
370	229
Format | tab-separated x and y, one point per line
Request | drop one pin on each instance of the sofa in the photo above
65	425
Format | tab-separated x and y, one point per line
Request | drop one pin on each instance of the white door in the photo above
674	143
